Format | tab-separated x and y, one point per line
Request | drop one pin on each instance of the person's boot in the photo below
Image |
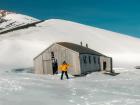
67	75
62	75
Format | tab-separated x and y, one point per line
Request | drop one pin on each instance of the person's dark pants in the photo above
65	74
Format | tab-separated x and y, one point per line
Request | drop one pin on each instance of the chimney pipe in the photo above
81	43
86	45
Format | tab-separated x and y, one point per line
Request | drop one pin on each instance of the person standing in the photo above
64	68
55	66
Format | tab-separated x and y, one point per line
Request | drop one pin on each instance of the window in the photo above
52	54
98	60
94	58
89	58
85	59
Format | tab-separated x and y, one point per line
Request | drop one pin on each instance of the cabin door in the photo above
104	65
55	66
47	67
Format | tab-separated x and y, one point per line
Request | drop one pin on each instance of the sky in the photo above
121	16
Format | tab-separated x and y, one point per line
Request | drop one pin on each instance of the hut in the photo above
82	59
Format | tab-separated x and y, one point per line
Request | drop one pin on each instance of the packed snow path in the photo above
93	89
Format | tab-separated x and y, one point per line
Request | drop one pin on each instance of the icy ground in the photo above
93	89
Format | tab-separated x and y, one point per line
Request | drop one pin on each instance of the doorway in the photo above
104	65
55	66
54	63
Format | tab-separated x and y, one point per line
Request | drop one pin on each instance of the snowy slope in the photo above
10	20
20	47
94	89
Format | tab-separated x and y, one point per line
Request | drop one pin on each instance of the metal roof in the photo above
79	48
75	47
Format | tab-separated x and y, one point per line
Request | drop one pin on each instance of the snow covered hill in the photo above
10	20
21	46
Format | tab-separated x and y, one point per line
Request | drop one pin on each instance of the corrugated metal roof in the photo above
79	48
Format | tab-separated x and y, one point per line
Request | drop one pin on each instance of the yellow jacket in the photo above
64	67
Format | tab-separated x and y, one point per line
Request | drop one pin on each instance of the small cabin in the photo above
82	59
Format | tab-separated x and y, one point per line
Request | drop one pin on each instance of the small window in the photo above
98	60
52	54
94	60
89	58
85	59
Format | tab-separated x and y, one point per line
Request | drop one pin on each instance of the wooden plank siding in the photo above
61	53
108	61
38	65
